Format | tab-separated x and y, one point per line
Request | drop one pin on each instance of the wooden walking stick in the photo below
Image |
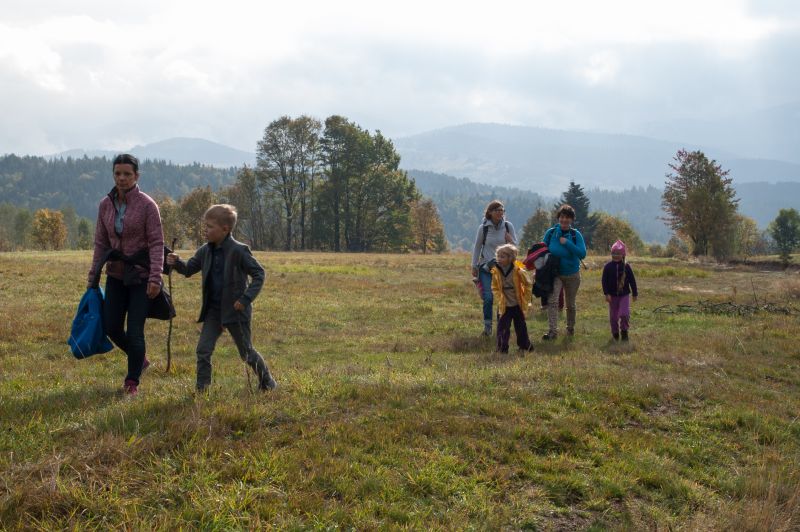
169	332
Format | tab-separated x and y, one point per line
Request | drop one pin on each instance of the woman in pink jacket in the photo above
129	225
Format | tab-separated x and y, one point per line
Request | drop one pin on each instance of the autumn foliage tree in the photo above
609	229
428	229
193	206
49	231
700	203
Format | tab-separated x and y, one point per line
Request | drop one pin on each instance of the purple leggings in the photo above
619	312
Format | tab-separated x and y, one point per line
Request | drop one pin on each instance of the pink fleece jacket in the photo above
141	229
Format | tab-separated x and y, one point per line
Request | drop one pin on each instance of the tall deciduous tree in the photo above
304	135
193	206
584	221
610	229
278	162
428	229
700	202
534	228
746	237
172	219
785	230
49	231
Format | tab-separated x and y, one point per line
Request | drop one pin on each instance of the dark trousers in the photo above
131	302
240	332
516	315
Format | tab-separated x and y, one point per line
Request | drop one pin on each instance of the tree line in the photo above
316	186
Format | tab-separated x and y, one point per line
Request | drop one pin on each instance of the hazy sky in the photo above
100	74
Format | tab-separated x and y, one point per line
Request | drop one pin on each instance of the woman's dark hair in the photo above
494	204
126	158
565	210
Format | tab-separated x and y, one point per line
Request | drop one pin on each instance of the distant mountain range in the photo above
523	166
545	160
772	133
178	150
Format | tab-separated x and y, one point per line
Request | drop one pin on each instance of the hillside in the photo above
35	182
545	160
179	150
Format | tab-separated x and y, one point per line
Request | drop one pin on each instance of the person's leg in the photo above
521	329
241	336
114	308
624	315
212	328
571	284
485	279
504	330
613	316
134	331
552	308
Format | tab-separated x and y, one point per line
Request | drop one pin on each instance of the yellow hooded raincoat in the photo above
522	284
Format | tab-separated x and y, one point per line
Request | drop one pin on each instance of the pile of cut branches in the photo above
727	308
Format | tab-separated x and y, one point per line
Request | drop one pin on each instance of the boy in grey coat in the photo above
227	296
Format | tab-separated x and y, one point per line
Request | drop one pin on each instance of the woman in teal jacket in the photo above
565	242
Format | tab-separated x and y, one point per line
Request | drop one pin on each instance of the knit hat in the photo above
618	248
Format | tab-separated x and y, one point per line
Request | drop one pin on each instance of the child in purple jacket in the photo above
618	285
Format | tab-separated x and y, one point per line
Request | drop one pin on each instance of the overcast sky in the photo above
100	74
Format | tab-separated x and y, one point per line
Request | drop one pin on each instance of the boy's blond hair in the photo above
507	249
223	214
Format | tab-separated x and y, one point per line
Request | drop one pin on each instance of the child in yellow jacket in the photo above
511	286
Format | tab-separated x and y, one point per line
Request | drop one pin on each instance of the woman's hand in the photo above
474	272
509	238
563	240
238	307
172	258
153	289
608	298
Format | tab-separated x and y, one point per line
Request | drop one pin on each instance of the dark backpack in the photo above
549	236
545	276
486	231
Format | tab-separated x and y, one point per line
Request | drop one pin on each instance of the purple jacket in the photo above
612	275
141	229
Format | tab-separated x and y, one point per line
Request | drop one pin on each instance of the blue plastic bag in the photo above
88	337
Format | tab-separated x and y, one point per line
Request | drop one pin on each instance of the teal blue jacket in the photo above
571	253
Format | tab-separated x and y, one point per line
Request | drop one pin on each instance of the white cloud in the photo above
82	74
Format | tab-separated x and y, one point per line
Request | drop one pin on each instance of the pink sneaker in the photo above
130	388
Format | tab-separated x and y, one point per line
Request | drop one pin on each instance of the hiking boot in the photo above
268	383
487	329
523	352
130	388
549	336
570	331
615	336
624	336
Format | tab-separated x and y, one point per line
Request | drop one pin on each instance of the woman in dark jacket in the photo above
128	221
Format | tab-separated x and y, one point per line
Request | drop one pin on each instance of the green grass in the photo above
393	413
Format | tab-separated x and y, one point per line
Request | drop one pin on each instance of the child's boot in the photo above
616	336
624	335
265	380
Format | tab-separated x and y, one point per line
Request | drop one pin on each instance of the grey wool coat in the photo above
239	264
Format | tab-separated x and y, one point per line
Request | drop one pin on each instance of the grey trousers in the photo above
240	332
570	284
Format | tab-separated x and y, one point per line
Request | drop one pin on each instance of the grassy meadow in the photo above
393	413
